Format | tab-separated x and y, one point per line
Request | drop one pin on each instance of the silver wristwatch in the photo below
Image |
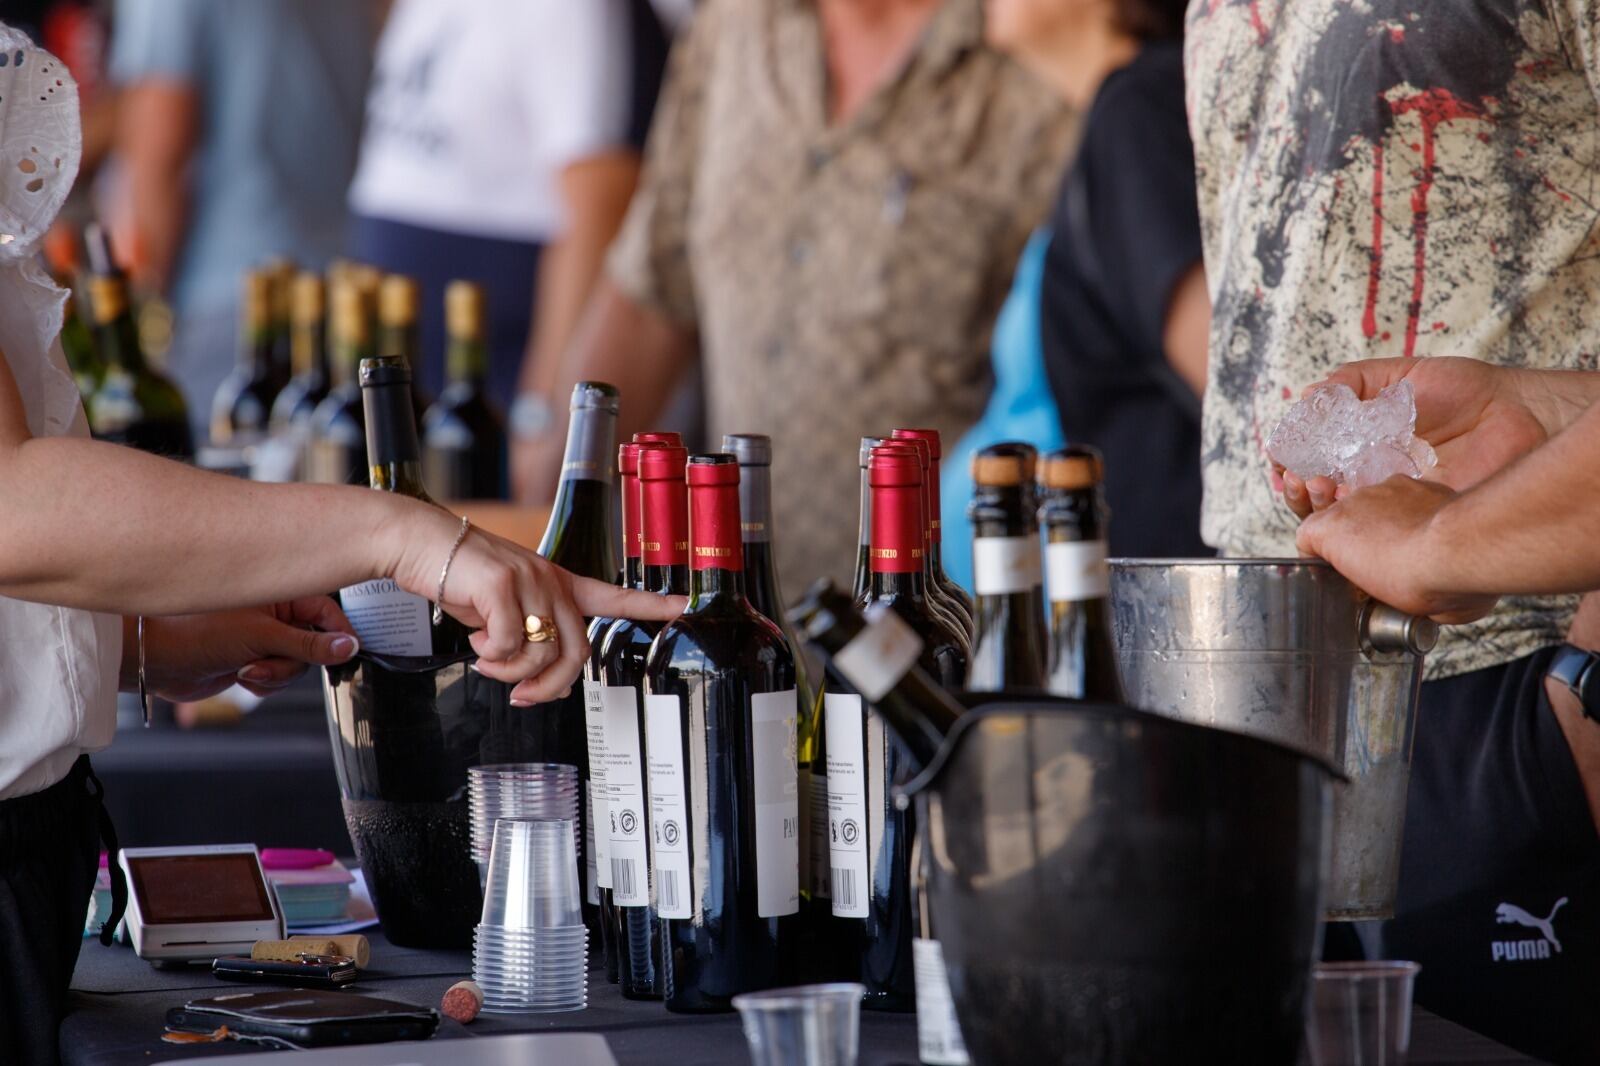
531	415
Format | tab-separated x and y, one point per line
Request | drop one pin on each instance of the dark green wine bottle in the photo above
1083	654
338	425
1008	651
463	436
243	402
133	404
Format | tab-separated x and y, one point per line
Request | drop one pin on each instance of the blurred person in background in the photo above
1119	290
834	198
1410	180
237	134
502	146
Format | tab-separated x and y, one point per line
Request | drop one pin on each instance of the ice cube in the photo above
1332	433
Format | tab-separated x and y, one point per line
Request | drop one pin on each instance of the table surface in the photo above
119	1003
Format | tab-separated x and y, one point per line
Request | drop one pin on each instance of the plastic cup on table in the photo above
1361	1013
530	951
516	790
809	1025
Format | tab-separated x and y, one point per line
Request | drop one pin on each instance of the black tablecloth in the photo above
119	1002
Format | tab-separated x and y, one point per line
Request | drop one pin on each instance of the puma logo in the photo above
1518	950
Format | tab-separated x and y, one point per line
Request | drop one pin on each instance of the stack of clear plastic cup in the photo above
517	790
530	953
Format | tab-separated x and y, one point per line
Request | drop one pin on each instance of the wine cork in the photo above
353	945
397	300
310	298
291	950
1004	465
464	309
1076	468
258	294
462	1001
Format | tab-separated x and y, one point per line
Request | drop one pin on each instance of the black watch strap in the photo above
1575	668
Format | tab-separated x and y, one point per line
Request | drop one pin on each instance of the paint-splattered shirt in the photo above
1382	178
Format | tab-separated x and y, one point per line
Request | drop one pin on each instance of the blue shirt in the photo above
281	85
1020	408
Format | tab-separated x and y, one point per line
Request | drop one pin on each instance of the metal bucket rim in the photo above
1025	704
1132	563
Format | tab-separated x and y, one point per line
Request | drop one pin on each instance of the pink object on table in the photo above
294	858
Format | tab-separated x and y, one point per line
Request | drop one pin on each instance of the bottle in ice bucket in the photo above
1083	655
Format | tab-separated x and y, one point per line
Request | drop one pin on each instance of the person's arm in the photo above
1424	548
105	528
1187	332
158	123
595	193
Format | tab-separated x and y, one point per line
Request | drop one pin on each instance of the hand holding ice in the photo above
1332	433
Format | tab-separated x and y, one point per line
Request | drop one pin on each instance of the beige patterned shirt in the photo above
1385	178
843	279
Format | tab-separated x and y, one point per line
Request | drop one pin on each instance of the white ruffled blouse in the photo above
58	667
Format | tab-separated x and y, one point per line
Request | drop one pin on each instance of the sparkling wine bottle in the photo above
133	405
337	452
463	436
664	522
954	609
243	402
1083	655
579	539
721	712
1008	652
399	307
308	353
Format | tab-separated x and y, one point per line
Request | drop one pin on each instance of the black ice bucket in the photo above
404	732
1110	886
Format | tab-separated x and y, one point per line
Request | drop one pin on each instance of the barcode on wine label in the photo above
624	878
667	890
847	725
844	888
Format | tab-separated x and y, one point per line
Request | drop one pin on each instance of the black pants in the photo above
1500	867
49	854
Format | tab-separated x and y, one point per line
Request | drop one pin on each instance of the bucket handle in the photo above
1388	630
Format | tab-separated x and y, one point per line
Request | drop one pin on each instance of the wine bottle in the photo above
338	425
578	539
1008	652
388	620
1083	655
945	612
463	436
869	838
77	344
280	272
953	609
720	714
399	299
953	592
665	528
308	356
863	573
133	404
243	402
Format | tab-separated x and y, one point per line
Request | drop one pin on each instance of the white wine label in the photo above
594	722
847	804
630	860
939	1040
669	809
879	656
820	875
387	619
1076	570
591	884
773	719
1002	565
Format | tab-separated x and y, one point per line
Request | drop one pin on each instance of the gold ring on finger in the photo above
539	630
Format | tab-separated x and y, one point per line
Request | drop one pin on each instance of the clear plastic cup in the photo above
1361	1013
533	876
809	1025
517	790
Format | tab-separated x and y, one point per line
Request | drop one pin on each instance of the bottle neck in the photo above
668	580
394	457
755	532
632	534
1005	543
258	351
633	572
399	338
1076	572
347	360
587	462
664	524
310	349
716	551
118	334
466	361
863	575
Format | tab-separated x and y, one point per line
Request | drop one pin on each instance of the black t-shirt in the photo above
1126	230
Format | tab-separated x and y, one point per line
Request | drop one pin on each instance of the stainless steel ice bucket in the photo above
1289	650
